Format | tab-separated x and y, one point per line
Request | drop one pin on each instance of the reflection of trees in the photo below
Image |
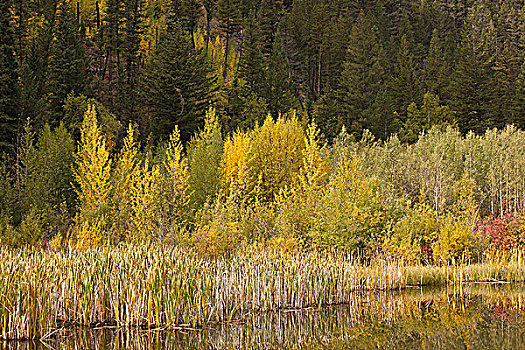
474	316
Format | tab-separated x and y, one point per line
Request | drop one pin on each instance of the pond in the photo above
469	316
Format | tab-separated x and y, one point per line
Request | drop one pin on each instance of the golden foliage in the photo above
276	157
234	163
92	173
145	190
124	175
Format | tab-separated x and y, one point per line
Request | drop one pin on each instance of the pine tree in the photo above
362	78
175	87
279	93
187	11
33	83
472	83
270	12
405	84
133	23
422	119
437	68
518	105
9	92
252	63
67	71
112	41
229	15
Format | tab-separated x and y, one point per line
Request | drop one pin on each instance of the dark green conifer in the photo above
9	91
405	84
67	71
362	79
175	85
280	89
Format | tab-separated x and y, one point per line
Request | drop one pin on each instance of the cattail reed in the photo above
162	288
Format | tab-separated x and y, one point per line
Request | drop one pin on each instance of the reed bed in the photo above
163	288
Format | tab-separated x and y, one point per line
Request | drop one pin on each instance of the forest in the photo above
187	165
386	126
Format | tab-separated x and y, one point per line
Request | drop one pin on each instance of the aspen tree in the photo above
92	174
145	191
125	173
175	188
234	163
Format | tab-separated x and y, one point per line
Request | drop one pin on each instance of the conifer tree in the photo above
229	15
473	80
9	92
33	83
361	79
422	119
437	69
270	12
252	63
187	11
133	27
175	84
518	105
279	81
112	46
67	71
405	84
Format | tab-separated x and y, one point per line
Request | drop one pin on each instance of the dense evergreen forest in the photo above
361	64
263	96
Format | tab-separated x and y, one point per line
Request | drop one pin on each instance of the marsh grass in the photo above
167	288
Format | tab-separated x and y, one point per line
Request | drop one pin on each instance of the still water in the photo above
476	316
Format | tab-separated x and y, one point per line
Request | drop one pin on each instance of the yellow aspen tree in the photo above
176	191
125	173
234	163
144	199
92	173
204	154
276	157
315	170
296	204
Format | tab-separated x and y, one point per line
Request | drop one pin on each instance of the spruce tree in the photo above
518	104
9	92
362	78
252	63
229	15
472	83
187	11
67	70
280	85
133	23
175	86
405	85
437	69
270	12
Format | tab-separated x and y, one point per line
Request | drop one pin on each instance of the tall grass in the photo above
162	288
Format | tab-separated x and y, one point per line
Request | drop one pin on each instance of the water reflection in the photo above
477	316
